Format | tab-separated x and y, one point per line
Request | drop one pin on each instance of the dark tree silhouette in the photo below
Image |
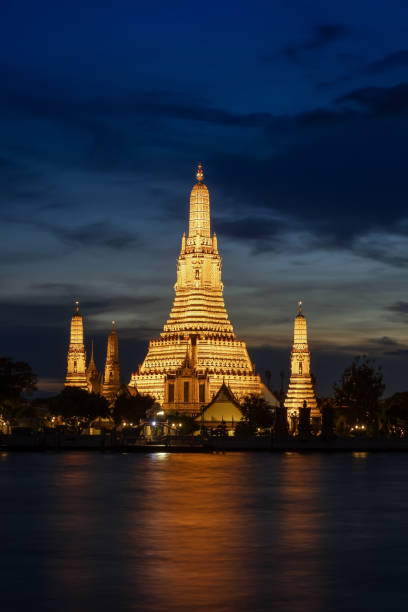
281	421
243	429
257	412
16	378
131	408
328	419
304	430
78	408
188	423
358	393
395	414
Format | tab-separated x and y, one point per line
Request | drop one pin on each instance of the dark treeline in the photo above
356	407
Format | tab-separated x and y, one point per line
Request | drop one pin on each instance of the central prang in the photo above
198	350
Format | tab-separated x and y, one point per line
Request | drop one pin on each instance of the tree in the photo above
257	412
131	408
244	429
395	414
188	423
78	408
304	422
328	418
357	395
16	378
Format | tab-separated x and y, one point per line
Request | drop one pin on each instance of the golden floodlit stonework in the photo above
111	382
76	360
198	349
301	387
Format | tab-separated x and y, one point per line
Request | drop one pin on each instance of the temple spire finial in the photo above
113	325
77	307
200	172
92	366
300	307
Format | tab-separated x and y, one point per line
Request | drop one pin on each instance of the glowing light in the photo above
198	311
360	455
154	423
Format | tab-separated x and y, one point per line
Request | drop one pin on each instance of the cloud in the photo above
385	247
379	101
100	234
322	36
397	353
399	308
250	228
392	61
383	341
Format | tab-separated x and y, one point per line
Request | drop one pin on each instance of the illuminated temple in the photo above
301	388
198	350
88	378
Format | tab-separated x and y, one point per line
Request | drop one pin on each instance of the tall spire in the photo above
112	371
93	376
199	208
92	366
301	388
76	358
198	326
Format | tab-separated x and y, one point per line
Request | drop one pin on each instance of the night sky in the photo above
299	113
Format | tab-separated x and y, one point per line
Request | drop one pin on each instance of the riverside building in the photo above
197	350
301	390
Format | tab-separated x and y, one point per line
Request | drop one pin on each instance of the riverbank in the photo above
58	441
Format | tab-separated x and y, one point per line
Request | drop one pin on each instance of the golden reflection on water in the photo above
201	538
184	533
299	526
195	539
360	455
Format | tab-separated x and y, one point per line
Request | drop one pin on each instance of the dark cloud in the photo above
400	308
397	353
101	234
56	310
249	228
390	63
379	101
398	59
86	111
322	36
380	251
383	341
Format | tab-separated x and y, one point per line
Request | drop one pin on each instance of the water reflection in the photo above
196	538
167	532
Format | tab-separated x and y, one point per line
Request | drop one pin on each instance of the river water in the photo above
184	532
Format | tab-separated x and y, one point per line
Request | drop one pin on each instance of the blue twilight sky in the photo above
298	111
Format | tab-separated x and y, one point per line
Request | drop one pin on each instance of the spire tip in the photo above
300	307
200	172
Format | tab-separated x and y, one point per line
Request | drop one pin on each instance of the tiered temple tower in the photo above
198	349
76	361
111	383
301	387
93	376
